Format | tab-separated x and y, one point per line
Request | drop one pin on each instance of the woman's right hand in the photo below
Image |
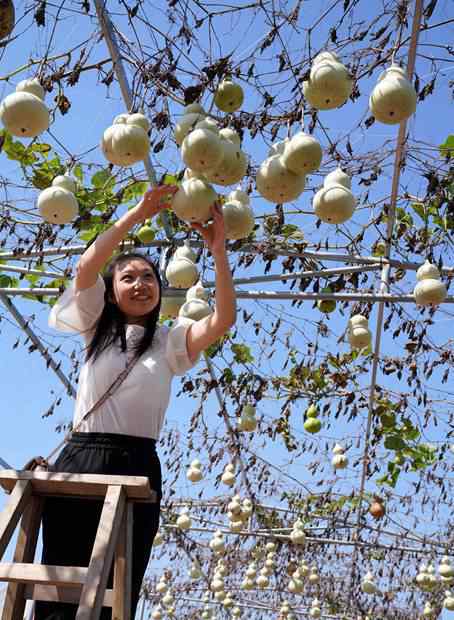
154	200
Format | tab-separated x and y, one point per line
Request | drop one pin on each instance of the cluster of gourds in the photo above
238	513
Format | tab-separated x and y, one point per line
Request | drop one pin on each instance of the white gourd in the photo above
120	119
24	115
302	154
313	575
247	421
158	539
238	219
247	508
181	273
130	144
57	206
239	195
368	585
295	586
195	572
359	335
138	119
232	167
31	86
448	602
229	96
185	125
247	584
185	251
277	184
170	306
338	177
329	85
394	98
228	601
339	460
208	123
334	204
262	581
236	526
236	612
446	570
428	610
324	56
168	600
231	135
184	520
278	148
194	473
429	290
220	596
192	174
315	610
193	201
162	586
201	150
194	108
297	535
217	584
106	146
198	291
217	543
195	309
228	475
66	182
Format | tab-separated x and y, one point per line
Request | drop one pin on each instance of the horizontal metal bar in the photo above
31	272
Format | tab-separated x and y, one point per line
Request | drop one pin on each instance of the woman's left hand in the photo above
214	233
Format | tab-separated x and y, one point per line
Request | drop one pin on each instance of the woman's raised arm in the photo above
98	253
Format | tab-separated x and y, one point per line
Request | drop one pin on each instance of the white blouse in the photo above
138	406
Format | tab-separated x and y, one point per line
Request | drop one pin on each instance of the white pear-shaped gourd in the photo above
236	612
246	508
186	124
247	421
198	291
194	473
297	535
156	614
359	335
194	108
217	584
195	309
247	584
170	306
339	460
323	56
262	581
238	219
313	577
181	273
208	123
184	520
430	290
295	585
130	144
337	177
302	154
448	602
185	251
57	206
393	99
446	570
329	85
158	539
162	585
422	576
66	182
31	86
228	601
138	119
24	115
193	201
315	610
202	150
368	584
168	600
229	96
228	476
239	195
217	543
334	204
277	184
428	610
195	572
232	167
231	135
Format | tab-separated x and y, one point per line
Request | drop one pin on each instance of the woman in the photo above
117	314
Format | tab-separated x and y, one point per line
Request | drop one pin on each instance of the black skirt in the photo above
70	524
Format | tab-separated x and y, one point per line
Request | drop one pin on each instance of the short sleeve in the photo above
176	350
78	311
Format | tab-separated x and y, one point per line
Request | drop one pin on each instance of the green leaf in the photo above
40	147
420	210
101	179
135	190
242	354
447	148
78	172
5	281
394	442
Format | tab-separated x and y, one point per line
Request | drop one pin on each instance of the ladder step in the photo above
61	594
17	572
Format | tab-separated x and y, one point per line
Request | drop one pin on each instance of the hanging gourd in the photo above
277	184
302	154
228	476
446	571
339	460
162	585
247	422
448	602
185	251
126	141
228	601
231	135
217	583
338	177
239	195
262	580
186	124
297	535
393	99
295	585
191	174
195	309
315	610
194	473
326	305
195	572
168	600
229	96
217	543
156	614
334	203
170	306
247	508
430	290
377	508
303	569
278	148
236	612
232	167
181	273
329	85
194	108
57	204
184	520
198	291
193	201
368	585
312	424
202	150
428	610
158	539
210	124
238	219
146	233
24	113
358	332
313	577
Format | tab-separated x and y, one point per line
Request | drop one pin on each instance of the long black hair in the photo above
110	327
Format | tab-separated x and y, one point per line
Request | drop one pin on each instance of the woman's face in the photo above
136	290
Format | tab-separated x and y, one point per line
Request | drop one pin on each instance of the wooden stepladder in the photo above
85	586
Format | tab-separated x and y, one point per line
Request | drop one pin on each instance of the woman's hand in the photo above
155	200
214	233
